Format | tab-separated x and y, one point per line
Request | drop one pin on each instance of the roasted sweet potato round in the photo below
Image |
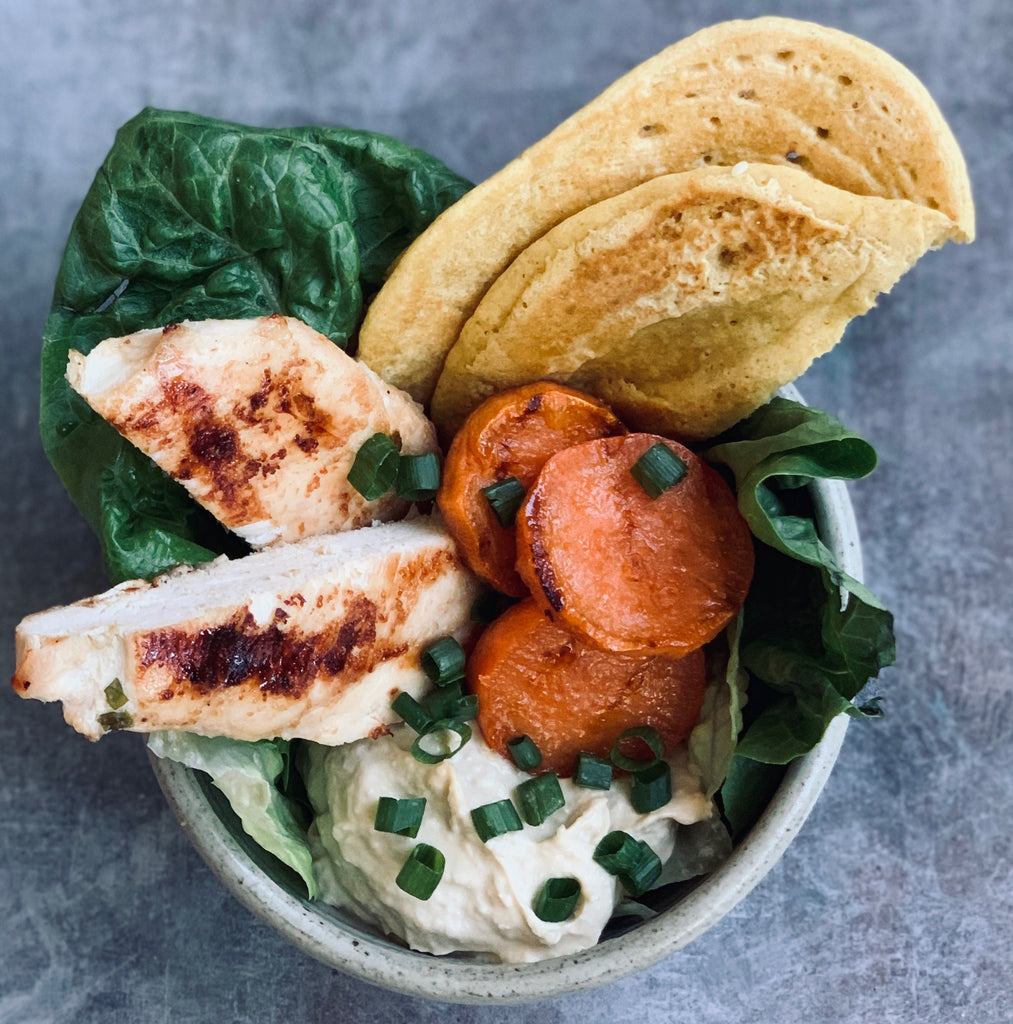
537	678
630	571
510	435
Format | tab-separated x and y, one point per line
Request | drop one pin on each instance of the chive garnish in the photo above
443	661
422	871
113	720
592	772
491	820
505	496
539	797
418	477
451	703
421	754
525	753
645	872
411	711
651	787
375	467
646	735
616	852
402	817
631	860
658	470
115	697
557	899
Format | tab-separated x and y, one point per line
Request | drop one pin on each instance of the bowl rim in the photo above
356	950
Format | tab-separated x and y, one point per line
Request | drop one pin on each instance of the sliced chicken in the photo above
308	640
259	419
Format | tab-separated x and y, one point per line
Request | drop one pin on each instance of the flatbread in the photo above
772	90
686	302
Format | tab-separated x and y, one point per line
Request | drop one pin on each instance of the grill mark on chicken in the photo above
275	661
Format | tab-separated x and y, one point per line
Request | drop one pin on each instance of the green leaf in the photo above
812	635
248	774
192	218
713	739
747	791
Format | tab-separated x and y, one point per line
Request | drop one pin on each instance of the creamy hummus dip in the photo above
484	902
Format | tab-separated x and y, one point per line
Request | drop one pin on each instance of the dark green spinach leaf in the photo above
812	635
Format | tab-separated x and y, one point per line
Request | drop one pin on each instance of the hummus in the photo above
484	901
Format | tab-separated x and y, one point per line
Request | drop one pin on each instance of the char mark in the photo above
275	661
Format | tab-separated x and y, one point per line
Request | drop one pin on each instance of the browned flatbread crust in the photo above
687	302
772	90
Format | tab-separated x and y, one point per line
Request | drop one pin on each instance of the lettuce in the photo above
713	740
812	636
248	774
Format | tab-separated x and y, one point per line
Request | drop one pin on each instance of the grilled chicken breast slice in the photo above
259	419
307	640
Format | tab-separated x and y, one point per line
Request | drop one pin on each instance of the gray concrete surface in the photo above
896	902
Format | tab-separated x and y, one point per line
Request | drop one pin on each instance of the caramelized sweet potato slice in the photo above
510	435
631	572
537	678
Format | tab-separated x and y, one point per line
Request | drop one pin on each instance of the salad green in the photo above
194	218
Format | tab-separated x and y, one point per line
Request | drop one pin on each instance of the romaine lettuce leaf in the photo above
248	774
712	741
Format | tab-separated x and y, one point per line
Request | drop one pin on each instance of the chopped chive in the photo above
411	711
658	470
115	697
631	860
443	661
491	820
375	467
418	477
557	899
422	871
525	753
649	737
651	787
592	772
616	852
113	720
539	797
644	874
402	817
421	754
506	497
450	702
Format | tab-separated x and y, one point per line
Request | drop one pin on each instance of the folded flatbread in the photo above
772	90
686	302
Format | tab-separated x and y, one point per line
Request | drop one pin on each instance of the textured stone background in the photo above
896	902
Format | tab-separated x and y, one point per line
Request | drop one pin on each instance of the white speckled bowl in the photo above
340	941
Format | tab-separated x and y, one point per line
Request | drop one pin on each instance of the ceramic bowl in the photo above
341	941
